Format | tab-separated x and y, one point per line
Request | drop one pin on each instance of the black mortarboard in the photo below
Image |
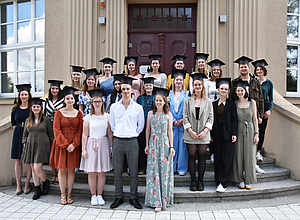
240	83
148	80
216	62
91	72
23	87
198	76
155	57
243	59
37	101
127	80
261	62
107	60
55	82
130	59
69	90
161	91
176	72
97	92
220	81
118	77
179	58
76	69
202	56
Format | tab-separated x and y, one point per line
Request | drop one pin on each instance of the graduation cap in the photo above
198	76
240	83
91	72
176	72
220	81
161	91
179	58
97	93
130	59
76	69
155	57
69	90
261	62
243	60
148	80
55	82
127	80
202	56
117	77
23	87
216	62
37	101
107	60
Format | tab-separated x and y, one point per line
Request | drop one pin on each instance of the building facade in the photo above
40	38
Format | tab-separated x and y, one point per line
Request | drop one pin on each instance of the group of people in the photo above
151	124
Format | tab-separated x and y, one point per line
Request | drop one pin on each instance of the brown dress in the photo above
67	130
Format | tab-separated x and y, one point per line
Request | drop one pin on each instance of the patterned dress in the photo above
85	100
160	177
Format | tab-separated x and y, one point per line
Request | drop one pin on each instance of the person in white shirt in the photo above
127	122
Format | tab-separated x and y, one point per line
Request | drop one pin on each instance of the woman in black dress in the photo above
53	103
18	116
37	139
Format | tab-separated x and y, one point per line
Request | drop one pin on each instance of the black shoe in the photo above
135	203
38	193
200	186
193	185
116	203
46	187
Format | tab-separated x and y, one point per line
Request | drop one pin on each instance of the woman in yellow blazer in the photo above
197	122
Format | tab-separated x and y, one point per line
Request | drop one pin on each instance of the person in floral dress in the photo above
160	150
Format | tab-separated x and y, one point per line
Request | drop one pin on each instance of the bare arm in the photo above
170	134
85	134
110	137
148	127
255	122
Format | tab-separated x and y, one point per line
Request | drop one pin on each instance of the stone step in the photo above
261	190
272	174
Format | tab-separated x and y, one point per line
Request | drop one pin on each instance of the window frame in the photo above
15	47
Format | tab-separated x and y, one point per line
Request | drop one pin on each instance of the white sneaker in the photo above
100	200
212	159
94	200
259	157
259	170
220	188
242	185
181	173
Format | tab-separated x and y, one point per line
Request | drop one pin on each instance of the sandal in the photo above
53	181
63	200
70	200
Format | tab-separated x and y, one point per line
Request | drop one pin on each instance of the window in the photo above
22	46
162	18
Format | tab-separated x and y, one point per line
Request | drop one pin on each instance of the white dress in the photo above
97	147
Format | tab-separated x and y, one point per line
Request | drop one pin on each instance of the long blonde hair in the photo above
203	93
182	88
197	69
212	77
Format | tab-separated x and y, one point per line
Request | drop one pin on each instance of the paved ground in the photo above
48	207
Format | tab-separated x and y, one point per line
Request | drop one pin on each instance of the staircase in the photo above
274	183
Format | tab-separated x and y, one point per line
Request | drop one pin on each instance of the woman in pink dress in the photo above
132	71
96	146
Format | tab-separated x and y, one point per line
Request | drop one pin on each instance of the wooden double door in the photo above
162	29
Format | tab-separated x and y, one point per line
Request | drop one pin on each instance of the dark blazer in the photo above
230	120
